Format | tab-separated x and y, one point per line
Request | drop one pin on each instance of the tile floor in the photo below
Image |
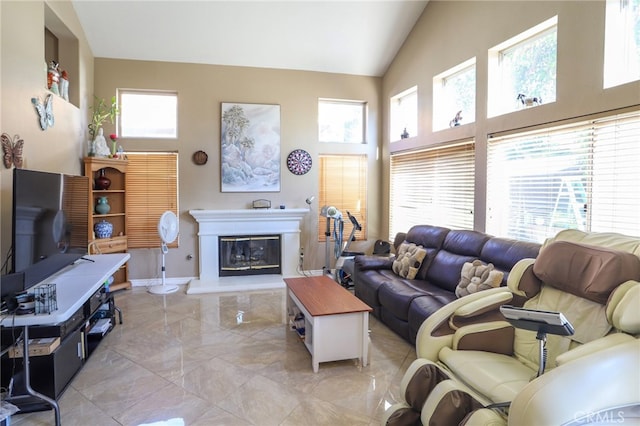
223	359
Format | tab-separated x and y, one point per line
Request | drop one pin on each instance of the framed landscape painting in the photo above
250	147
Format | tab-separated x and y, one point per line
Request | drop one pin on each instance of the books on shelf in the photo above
37	347
101	326
296	319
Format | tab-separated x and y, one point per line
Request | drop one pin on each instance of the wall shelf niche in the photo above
62	46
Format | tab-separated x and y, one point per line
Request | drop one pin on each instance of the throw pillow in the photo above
477	276
408	260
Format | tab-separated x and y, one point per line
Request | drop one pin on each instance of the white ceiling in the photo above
350	37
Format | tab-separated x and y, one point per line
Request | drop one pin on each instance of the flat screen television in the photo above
50	219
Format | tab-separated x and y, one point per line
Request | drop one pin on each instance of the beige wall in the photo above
201	89
450	32
59	148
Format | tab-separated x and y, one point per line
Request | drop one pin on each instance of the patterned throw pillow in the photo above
408	260
477	276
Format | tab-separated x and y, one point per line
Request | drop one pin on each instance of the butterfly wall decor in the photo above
11	150
45	111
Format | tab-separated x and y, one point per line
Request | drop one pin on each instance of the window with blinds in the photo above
343	184
581	175
432	186
152	189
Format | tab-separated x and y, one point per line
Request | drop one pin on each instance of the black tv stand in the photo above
80	295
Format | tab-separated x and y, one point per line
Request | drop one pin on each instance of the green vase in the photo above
102	206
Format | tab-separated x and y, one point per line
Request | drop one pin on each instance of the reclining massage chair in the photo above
474	368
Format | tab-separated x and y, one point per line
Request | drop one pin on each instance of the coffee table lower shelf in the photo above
333	336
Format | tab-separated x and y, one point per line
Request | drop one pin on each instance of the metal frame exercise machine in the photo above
341	251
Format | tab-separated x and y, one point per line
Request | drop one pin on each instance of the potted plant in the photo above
101	112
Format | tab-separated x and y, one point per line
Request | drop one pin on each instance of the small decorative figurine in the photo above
100	145
64	85
114	140
528	101
456	120
404	134
53	77
120	154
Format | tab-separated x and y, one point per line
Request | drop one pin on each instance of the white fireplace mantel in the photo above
215	223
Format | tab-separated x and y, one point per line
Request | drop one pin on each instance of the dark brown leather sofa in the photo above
403	304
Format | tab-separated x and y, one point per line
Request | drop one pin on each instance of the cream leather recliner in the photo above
474	368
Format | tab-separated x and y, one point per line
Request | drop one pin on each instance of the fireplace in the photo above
213	224
249	255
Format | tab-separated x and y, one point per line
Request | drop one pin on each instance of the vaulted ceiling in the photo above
350	37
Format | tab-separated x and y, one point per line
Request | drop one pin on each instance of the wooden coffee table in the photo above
336	322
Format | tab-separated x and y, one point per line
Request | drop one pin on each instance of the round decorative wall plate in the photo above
299	162
200	157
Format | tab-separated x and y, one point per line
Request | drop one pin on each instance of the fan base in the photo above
162	289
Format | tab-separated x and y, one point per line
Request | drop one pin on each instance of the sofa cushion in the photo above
396	296
368	283
408	260
445	269
585	271
465	242
504	253
459	246
429	237
400	327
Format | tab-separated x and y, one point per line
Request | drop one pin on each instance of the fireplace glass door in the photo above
249	255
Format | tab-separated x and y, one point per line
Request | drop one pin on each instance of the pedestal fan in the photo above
168	231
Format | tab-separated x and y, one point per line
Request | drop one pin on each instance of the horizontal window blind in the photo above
432	186
343	184
616	170
152	189
579	176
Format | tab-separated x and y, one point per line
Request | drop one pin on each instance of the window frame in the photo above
410	124
444	108
362	105
498	101
124	132
619	66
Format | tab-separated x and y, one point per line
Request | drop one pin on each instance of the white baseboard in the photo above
146	282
